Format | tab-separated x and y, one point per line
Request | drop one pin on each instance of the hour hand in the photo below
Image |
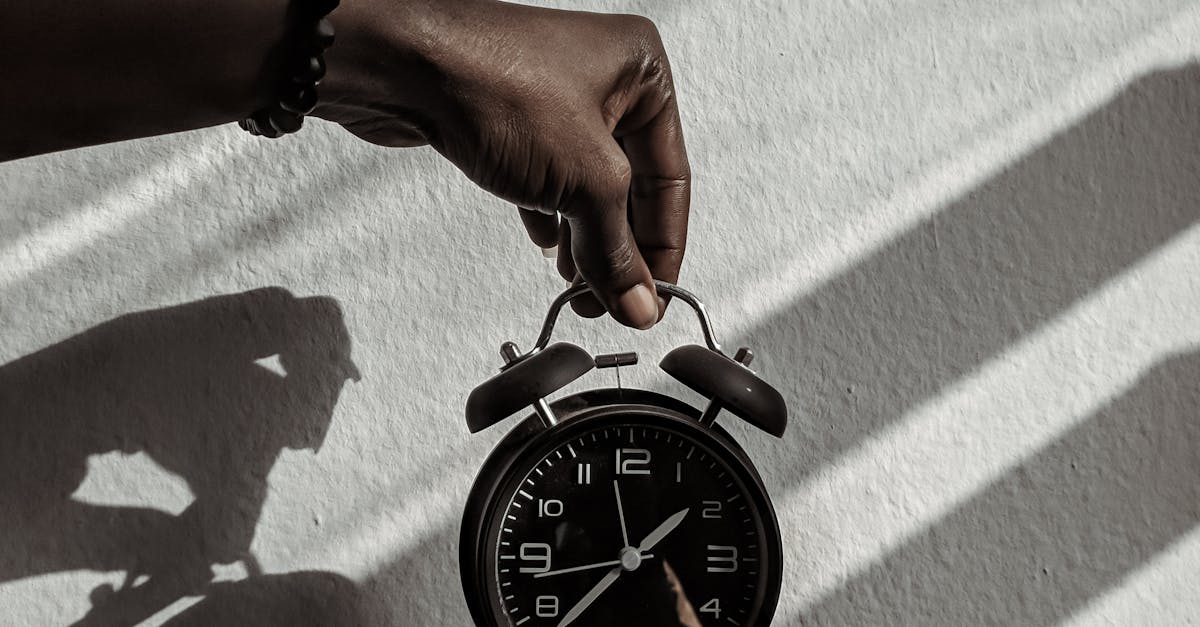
662	530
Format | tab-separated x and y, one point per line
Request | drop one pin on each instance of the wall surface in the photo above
962	237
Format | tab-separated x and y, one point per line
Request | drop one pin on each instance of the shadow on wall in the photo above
1068	524
933	305
179	384
936	303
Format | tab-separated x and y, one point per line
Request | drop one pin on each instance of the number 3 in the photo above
722	559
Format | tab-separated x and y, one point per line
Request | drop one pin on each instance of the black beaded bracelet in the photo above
310	32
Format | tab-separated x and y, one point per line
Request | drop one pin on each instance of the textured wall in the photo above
961	236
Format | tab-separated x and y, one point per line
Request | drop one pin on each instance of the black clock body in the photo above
556	512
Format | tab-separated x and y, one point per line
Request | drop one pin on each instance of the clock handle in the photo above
575	291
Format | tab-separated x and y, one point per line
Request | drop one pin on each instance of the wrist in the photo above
347	62
379	59
396	76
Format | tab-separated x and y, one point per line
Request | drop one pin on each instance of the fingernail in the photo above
550	253
639	306
662	308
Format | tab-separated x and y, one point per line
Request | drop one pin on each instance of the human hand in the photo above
562	113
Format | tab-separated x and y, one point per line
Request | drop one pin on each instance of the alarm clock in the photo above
621	507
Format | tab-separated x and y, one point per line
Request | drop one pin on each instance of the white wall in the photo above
961	236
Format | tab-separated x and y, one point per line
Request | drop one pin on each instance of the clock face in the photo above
633	521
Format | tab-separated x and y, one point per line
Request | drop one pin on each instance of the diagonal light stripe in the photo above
903	479
1173	43
1163	588
111	212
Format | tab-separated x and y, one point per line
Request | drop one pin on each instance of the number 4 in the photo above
712	607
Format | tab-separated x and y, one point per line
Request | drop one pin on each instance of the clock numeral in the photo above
583	474
712	509
725	559
536	552
678	472
546	607
550	508
712	607
633	461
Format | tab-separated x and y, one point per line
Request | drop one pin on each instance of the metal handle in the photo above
576	291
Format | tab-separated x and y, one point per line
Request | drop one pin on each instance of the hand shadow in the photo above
180	385
299	599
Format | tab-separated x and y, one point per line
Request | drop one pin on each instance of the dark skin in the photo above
569	115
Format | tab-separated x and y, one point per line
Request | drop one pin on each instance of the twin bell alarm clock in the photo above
617	507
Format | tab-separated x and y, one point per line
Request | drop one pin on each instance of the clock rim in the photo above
576	412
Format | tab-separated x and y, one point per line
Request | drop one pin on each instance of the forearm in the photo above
83	73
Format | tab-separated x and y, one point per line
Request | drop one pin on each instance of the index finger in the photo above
660	190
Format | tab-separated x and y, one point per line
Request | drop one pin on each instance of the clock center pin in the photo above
631	558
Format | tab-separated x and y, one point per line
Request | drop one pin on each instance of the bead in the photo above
305	71
310	71
300	100
251	127
262	120
323	34
285	122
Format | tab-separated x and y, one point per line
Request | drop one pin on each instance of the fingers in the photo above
542	227
586	305
661	184
566	264
603	245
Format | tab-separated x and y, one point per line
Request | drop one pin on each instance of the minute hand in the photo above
662	530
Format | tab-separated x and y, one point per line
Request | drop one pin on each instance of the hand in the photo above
621	515
649	542
562	113
576	569
662	530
